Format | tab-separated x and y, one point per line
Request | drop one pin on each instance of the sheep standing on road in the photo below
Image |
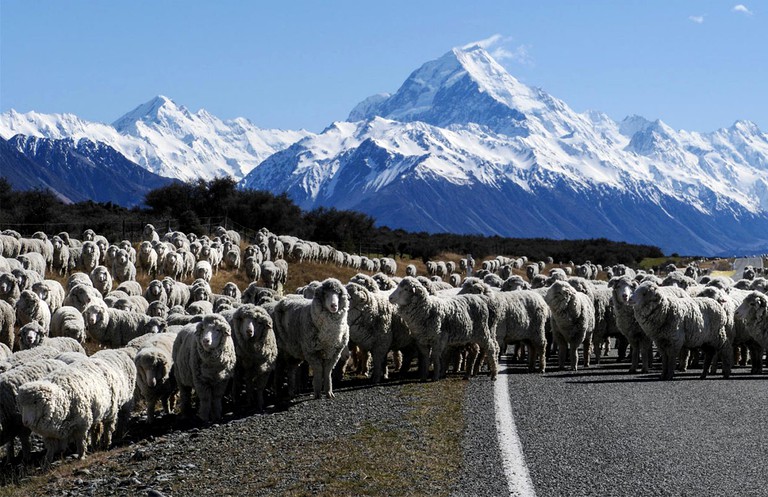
256	349
641	345
315	331
674	323
204	360
439	323
573	320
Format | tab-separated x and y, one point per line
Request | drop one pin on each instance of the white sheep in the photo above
673	323
204	360
203	271
274	274
148	259
522	318
90	256
114	327
51	292
177	292
7	322
67	321
641	345
11	425
33	262
438	323
154	381
315	331
573	320
123	269
101	279
173	265
31	308
9	288
33	335
256	348
81	295
69	405
410	270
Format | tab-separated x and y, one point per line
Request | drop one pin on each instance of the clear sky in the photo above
695	64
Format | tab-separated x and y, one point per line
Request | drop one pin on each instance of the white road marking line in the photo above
512	458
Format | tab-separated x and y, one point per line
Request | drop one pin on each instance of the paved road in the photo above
605	432
743	262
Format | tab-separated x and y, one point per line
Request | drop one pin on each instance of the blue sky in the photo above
697	65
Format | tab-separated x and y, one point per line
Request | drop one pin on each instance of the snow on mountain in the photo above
463	146
165	138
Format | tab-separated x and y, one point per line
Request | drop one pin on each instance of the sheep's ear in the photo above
612	282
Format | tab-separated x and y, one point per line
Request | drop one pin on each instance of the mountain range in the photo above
462	146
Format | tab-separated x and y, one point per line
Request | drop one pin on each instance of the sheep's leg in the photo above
204	397
472	354
598	352
645	348
531	357
621	345
327	369
542	353
562	351
708	356
587	350
685	355
634	357
727	364
379	364
490	359
217	394
437	361
151	404
185	400
756	353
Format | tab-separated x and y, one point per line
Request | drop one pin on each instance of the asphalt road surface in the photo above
604	432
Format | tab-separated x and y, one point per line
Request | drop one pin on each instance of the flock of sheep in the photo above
176	339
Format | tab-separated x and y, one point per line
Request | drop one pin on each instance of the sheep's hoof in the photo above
330	395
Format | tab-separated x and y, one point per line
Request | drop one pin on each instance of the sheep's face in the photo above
35	401
89	235
358	296
152	370
42	291
21	278
145	248
715	294
28	301
623	290
646	294
754	307
31	335
230	290
406	291
560	291
212	332
103	245
157	309
168	285
94	314
200	293
7	283
155	325
57	243
89	248
122	257
156	288
331	302
472	287
148	229
24	260
100	274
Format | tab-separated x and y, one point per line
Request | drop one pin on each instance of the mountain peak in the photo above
155	110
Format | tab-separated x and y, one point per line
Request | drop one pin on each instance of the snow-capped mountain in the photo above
75	171
165	138
464	147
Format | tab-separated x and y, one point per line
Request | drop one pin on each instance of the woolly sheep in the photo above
231	290
147	258
673	323
67	321
252	268
7	322
82	295
69	405
365	281
131	287
11	247
51	292
156	292
641	345
605	319
78	278
157	309
135	303
9	288
531	270
101	280
258	295
33	262
573	318
26	278
154	381
31	308
204	360
113	327
122	267
232	258
736	327
11	425
410	270
203	270
522	317
315	331
753	311
256	349
33	335
90	256
441	323
177	292
274	274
